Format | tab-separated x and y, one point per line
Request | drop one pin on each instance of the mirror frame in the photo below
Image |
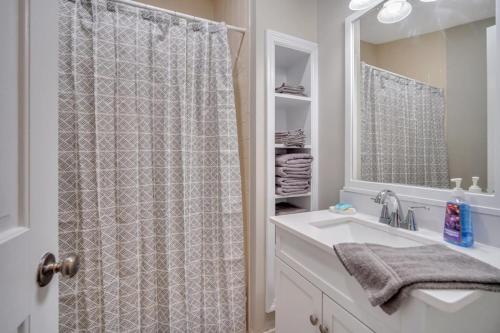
483	203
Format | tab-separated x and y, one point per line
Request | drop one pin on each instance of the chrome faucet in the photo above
393	217
410	220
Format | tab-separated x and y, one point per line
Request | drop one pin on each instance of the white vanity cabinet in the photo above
311	282
338	320
299	301
304	308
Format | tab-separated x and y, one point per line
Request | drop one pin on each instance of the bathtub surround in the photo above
150	193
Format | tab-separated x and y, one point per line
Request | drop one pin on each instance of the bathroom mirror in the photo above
423	97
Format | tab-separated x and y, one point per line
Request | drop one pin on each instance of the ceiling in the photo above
425	18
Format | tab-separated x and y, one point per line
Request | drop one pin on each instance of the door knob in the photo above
314	320
48	267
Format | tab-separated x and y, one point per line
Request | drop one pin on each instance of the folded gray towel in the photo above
282	191
291	188
289	89
290	173
388	274
294	138
290	159
291	181
298	167
298	161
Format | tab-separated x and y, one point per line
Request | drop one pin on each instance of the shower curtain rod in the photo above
400	76
171	12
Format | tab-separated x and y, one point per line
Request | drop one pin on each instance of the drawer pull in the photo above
313	319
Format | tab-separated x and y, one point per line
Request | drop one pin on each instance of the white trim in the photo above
491	83
294	97
274	39
481	203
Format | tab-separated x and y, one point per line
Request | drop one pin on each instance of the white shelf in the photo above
293	196
293	97
293	61
282	146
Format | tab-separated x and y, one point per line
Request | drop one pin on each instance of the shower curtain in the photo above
149	193
403	139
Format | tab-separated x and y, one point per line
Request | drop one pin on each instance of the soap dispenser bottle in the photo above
474	188
458	223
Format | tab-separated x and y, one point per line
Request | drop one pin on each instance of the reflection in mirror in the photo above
423	101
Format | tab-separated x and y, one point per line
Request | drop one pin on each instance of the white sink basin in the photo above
355	231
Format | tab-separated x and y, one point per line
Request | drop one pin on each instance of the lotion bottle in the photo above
458	222
474	187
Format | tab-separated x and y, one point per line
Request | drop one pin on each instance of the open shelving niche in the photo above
294	61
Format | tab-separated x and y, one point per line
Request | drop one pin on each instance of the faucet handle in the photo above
410	220
379	199
396	219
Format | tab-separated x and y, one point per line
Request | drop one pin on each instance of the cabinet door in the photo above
298	302
338	320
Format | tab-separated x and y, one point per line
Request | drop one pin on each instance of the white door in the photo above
298	302
28	163
338	320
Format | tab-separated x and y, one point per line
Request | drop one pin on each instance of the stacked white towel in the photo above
293	138
293	173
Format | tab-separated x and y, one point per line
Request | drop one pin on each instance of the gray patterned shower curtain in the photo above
149	192
403	139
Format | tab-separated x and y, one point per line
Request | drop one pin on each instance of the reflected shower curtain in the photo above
403	138
149	193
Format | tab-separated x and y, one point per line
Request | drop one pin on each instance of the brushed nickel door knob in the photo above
323	329
314	320
48	266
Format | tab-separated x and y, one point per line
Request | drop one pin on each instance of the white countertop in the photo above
304	225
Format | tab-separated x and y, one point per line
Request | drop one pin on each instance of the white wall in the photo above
330	25
297	18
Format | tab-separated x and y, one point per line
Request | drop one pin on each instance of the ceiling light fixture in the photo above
394	11
361	4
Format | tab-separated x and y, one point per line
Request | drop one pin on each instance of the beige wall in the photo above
330	25
368	53
201	8
297	18
422	58
467	101
236	12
